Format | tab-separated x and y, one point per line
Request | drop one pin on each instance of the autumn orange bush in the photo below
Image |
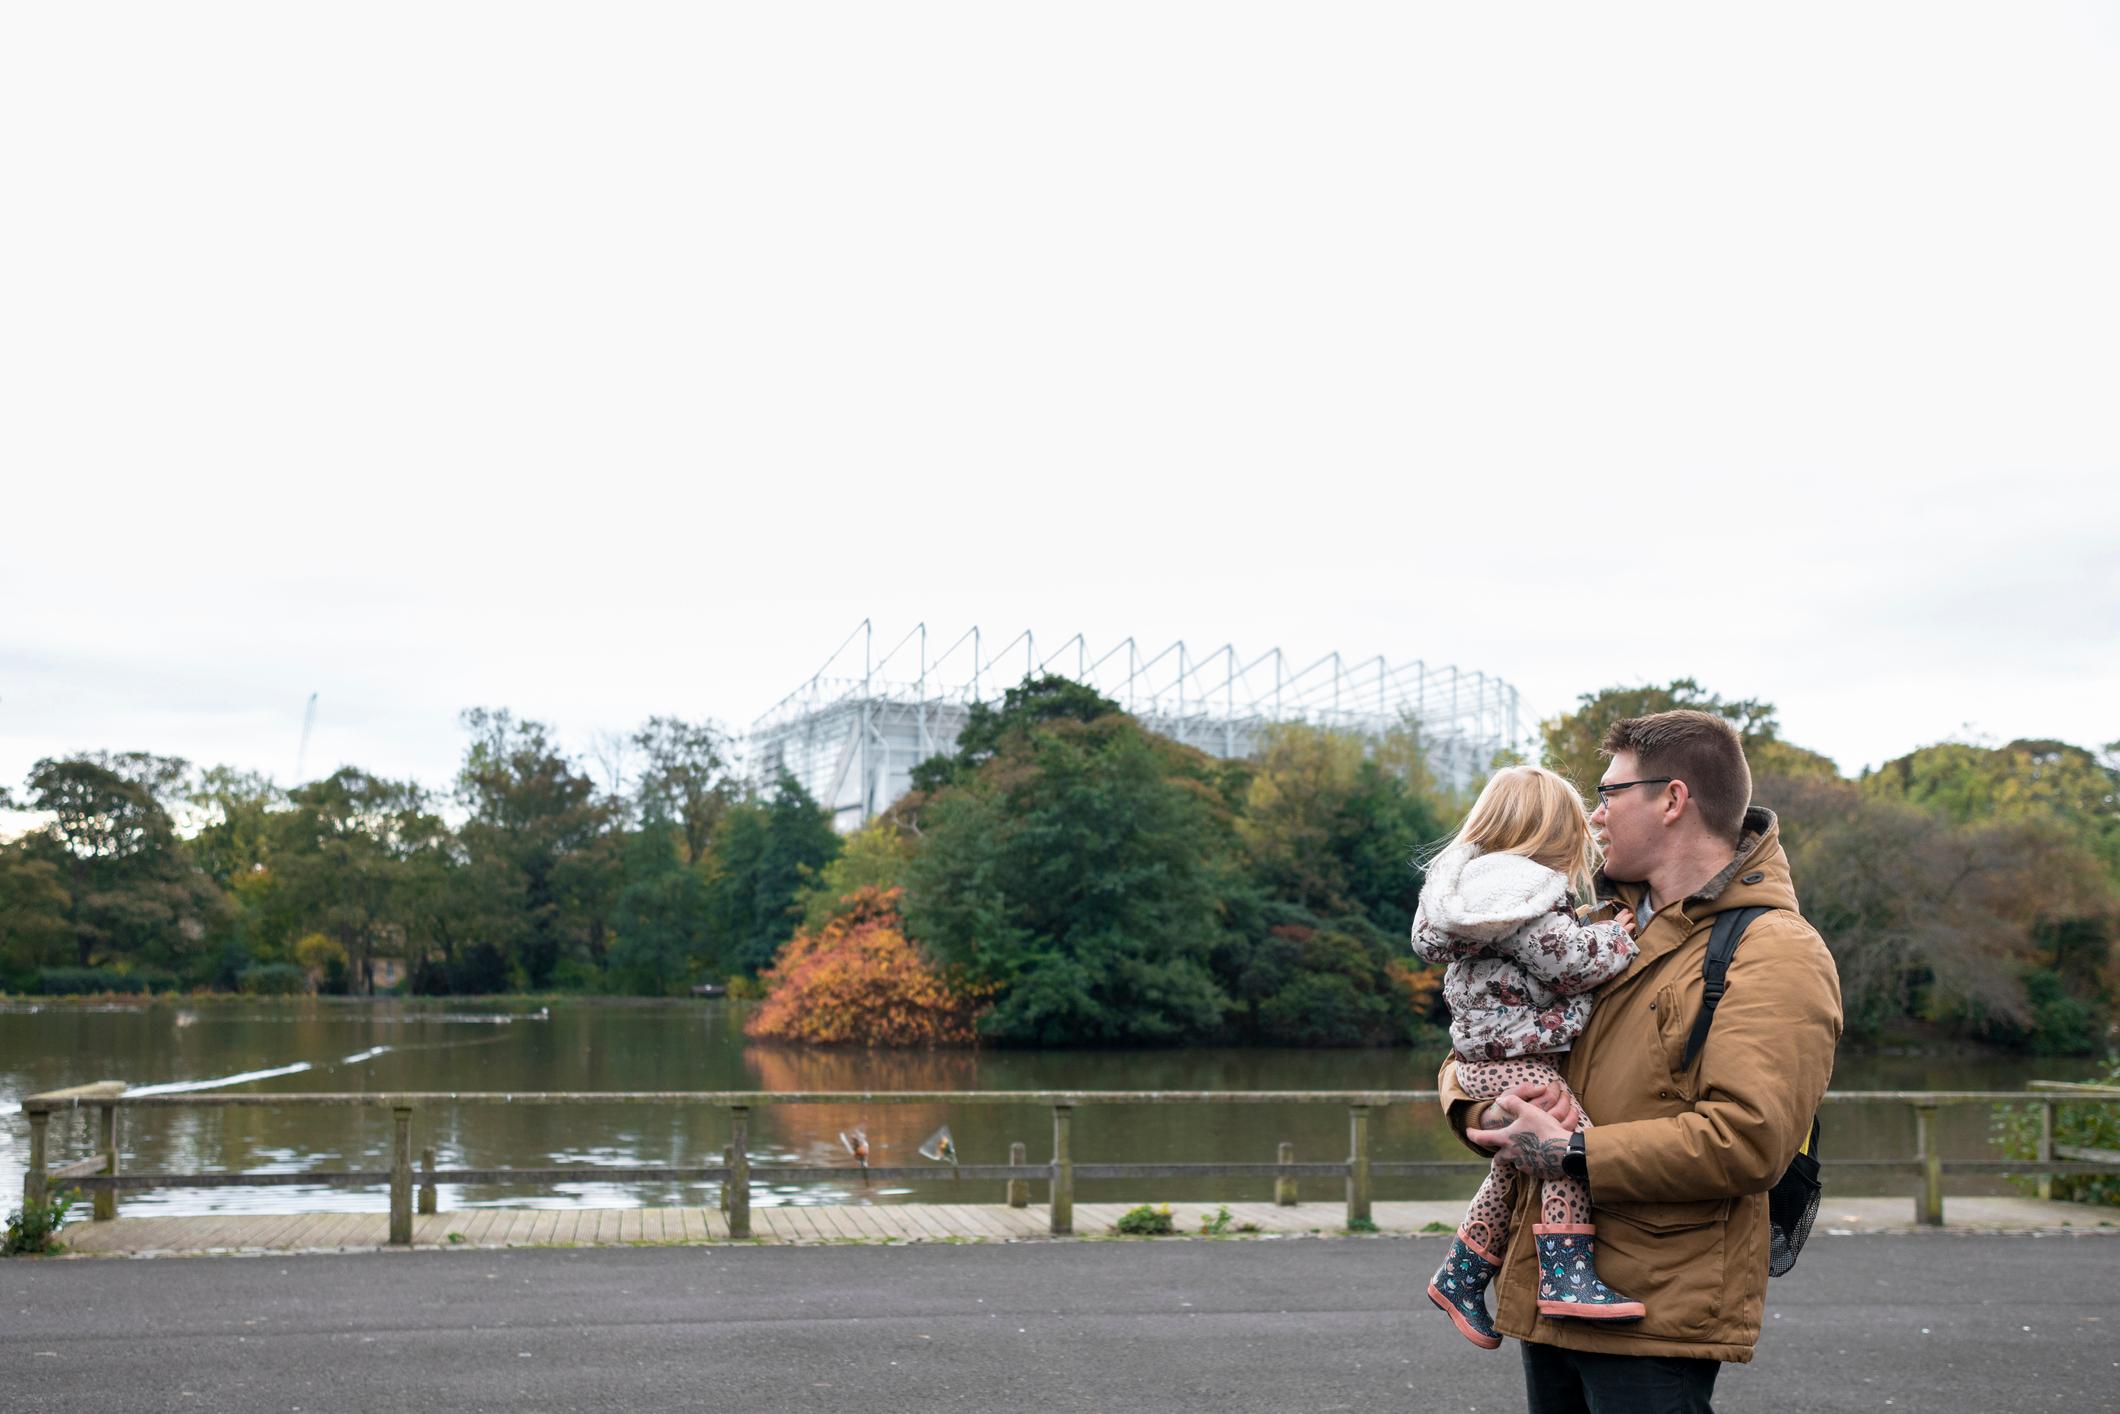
858	980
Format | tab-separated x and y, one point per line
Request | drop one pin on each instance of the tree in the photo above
685	779
323	959
2047	818
459	912
132	895
1081	870
343	863
541	832
1302	980
764	850
2027	780
857	981
1332	825
233	810
1943	920
35	932
1571	740
874	857
1025	707
661	940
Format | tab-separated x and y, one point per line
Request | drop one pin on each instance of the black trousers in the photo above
1559	1381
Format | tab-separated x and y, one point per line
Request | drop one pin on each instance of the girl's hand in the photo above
1625	918
1555	1100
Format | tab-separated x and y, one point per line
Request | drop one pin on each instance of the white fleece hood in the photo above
1486	897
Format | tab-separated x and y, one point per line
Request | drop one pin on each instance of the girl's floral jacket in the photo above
1521	967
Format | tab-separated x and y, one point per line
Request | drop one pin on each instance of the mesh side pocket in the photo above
1792	1205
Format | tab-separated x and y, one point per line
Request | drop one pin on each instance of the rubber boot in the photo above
1567	1277
1459	1290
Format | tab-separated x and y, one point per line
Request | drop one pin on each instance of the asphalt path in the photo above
1928	1322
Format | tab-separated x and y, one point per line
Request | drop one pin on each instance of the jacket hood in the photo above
1757	875
1488	896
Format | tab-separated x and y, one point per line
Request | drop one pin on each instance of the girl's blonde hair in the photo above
1535	812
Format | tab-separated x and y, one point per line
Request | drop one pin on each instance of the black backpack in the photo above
1792	1203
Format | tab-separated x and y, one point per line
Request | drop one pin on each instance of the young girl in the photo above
1495	907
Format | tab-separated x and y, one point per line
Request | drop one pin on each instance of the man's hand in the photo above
1555	1100
1532	1142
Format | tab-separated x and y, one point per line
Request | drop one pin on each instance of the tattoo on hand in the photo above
1540	1157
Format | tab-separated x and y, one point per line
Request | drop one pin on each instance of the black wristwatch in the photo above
1576	1162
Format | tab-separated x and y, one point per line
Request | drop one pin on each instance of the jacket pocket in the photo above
1672	1028
1669	1257
1670	1217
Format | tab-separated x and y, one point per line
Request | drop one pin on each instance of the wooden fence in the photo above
102	1173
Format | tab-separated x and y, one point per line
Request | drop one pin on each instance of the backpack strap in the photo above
1729	930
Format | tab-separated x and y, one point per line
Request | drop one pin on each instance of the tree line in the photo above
1064	877
1968	889
527	875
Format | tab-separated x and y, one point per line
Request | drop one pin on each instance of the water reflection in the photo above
299	1046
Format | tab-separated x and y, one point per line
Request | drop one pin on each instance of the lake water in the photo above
316	1045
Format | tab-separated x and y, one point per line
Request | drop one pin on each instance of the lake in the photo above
318	1044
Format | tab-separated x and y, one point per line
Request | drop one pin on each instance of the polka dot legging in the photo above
1561	1200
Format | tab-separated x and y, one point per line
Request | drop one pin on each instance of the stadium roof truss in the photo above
853	739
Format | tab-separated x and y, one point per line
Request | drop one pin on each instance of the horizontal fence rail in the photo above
102	1175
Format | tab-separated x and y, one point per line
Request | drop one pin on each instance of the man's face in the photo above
1629	824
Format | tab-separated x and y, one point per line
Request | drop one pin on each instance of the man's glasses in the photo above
1606	792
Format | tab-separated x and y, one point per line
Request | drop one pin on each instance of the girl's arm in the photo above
1568	956
1436	946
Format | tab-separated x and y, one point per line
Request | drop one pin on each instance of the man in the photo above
1678	1160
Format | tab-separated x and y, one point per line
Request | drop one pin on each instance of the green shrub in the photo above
32	1229
273	979
2082	1126
90	981
2063	1023
1218	1224
1145	1221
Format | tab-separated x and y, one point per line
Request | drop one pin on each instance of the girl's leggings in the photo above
1561	1200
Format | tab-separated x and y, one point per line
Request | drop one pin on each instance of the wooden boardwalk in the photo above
488	1228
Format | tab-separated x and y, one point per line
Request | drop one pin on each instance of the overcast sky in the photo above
607	360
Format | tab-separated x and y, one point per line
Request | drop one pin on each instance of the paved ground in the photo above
1935	1321
901	1222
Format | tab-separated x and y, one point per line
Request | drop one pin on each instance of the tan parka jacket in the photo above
1680	1162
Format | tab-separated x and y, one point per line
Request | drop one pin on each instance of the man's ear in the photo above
1678	797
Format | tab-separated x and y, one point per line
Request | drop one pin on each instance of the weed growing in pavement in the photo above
1145	1221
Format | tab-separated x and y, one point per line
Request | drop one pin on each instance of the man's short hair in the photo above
1698	748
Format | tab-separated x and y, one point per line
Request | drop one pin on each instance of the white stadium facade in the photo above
853	733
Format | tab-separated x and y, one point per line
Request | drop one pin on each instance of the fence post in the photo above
1928	1199
1284	1189
739	1182
1019	1189
430	1198
1357	1164
106	1201
34	1183
728	1162
1063	1220
2046	1149
401	1176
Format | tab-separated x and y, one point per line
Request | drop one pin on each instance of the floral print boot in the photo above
1459	1290
1567	1276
